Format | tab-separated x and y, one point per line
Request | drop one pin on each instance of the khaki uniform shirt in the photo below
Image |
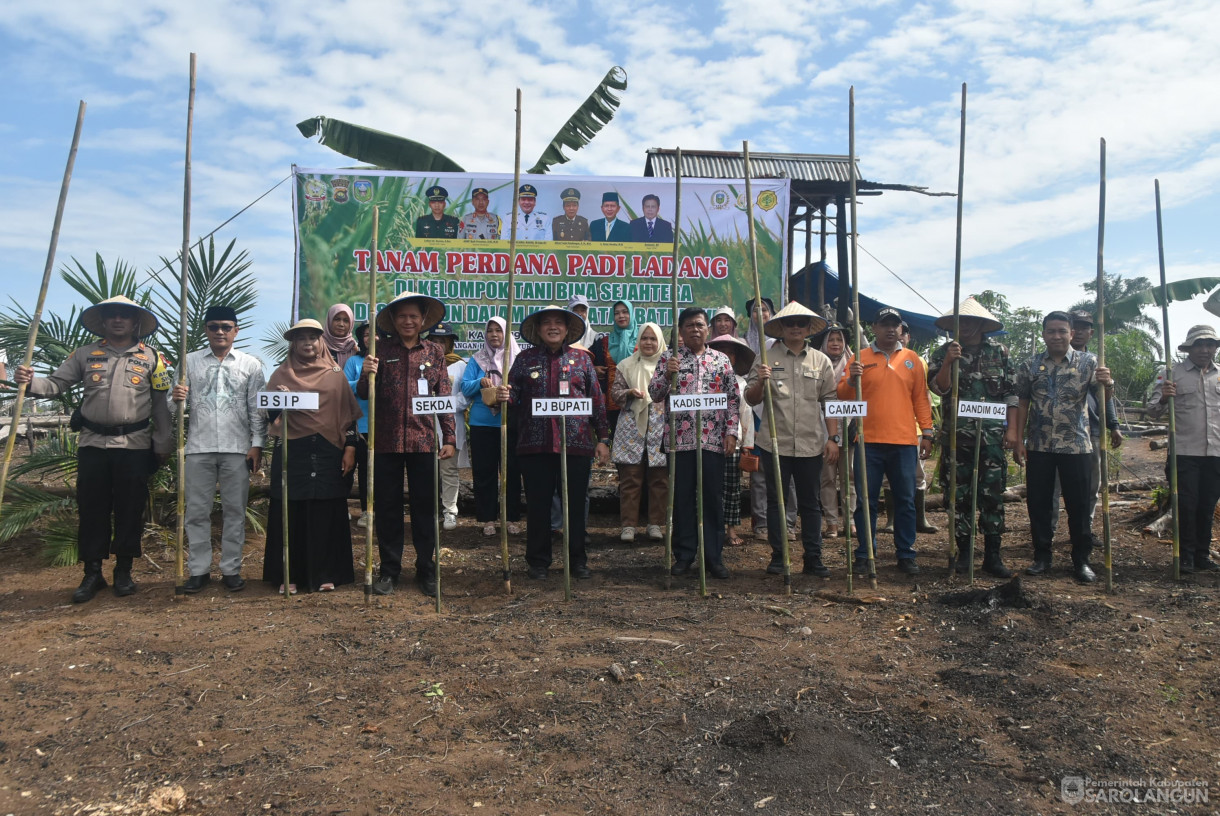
118	391
1196	409
800	384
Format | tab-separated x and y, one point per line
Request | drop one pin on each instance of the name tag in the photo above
551	406
288	400
846	409
422	386
698	402
433	405
982	410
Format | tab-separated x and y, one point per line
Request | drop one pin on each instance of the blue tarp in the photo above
803	287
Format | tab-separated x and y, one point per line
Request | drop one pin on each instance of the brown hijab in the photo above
337	407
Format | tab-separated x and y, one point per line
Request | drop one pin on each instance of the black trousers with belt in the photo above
111	483
388	470
542	480
686	531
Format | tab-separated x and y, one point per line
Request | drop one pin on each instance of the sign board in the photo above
563	406
433	405
288	400
843	408
698	402
982	410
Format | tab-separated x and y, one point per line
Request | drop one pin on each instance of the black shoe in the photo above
90	585
385	584
680	568
816	567
962	565
426	581
582	572
907	566
123	585
196	583
776	567
859	566
1205	564
1084	574
1186	566
233	583
538	573
718	571
1038	568
995	568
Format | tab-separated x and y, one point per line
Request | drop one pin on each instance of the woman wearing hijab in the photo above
351	372
321	455
637	439
834	346
485	369
338	334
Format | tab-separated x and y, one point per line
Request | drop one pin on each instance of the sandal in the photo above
327	587
734	540
292	589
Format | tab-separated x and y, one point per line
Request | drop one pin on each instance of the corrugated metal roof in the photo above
724	164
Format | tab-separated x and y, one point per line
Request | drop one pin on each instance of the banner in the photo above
607	238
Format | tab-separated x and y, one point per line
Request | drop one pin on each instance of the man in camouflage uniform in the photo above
479	225
571	226
985	374
437	224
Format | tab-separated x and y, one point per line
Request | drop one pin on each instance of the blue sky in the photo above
1046	80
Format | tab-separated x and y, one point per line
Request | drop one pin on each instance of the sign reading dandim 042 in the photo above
607	238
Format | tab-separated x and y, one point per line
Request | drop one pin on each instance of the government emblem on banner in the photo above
767	199
339	185
720	200
362	190
315	190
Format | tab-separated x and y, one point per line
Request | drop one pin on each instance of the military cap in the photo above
437	193
443	329
570	194
527	191
1081	316
478	190
611	197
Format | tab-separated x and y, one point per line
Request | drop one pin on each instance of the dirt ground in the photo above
746	700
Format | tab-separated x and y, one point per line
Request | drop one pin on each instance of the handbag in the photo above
748	462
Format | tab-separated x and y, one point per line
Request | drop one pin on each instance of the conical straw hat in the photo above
773	327
529	326
970	308
91	318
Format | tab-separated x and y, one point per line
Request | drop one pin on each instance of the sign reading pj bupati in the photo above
447	235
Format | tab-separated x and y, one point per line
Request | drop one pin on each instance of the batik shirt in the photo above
536	374
223	402
709	372
398	429
985	374
1058	397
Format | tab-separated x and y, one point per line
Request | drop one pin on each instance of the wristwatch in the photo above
838	440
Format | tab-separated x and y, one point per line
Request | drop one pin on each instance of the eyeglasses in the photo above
794	323
221	327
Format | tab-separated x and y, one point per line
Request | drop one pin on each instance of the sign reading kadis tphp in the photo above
607	239
698	402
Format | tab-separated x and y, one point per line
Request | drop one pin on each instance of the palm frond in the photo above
275	347
584	124
384	150
59	543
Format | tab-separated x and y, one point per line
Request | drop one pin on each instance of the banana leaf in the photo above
585	123
1131	307
377	147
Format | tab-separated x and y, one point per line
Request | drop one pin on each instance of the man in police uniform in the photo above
125	384
480	225
531	224
437	224
570	226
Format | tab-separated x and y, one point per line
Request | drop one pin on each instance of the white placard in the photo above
698	402
982	410
288	400
842	408
433	405
563	406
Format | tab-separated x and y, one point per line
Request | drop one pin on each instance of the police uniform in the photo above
570	229
476	227
429	226
530	226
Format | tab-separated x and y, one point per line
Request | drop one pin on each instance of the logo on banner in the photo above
767	199
362	190
339	184
720	200
315	190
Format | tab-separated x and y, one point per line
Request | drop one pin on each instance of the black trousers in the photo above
111	482
362	467
686	531
388	470
1073	470
485	471
542	480
805	472
1198	492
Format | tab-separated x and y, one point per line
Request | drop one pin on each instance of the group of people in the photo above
1050	418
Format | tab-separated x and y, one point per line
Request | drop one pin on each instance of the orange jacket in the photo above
896	391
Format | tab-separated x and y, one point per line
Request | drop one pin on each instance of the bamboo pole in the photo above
32	337
865	514
762	357
699	500
974	500
1173	431
180	587
845	476
951	498
673	381
567	515
371	455
1101	361
508	360
284	501
436	516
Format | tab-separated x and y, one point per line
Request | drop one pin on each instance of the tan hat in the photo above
743	355
433	310
301	325
970	308
529	326
1197	333
774	327
92	319
725	310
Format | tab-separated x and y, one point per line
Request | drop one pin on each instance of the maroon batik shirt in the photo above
536	373
398	429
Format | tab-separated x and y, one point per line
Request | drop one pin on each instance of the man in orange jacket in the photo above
892	383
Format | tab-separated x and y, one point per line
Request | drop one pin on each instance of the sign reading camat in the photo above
433	405
846	409
288	400
982	410
698	402
563	406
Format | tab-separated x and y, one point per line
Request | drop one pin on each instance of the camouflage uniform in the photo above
985	374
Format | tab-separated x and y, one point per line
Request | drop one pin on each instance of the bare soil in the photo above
746	700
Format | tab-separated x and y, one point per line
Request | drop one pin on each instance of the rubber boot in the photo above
123	585
992	564
962	565
889	514
921	515
91	584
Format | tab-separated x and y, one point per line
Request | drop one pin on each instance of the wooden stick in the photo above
180	586
1101	361
762	357
508	361
436	511
567	513
284	499
951	408
700	549
673	381
1173	431
974	500
32	337
369	512
866	515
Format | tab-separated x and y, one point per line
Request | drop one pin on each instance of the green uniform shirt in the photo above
428	227
985	374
